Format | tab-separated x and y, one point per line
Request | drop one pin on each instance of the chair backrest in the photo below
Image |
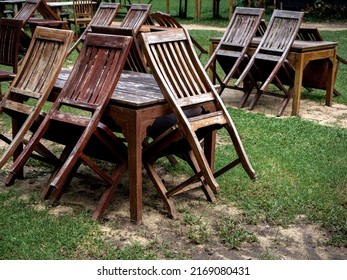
166	20
46	50
238	36
241	29
177	69
105	14
83	8
35	80
136	16
135	61
95	73
103	17
10	30
280	33
27	10
309	34
46	11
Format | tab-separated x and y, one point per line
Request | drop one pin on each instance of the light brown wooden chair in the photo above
10	30
136	16
103	16
135	61
74	120
82	15
231	52
197	113
33	84
268	65
167	20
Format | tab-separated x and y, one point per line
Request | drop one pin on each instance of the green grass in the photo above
29	232
301	170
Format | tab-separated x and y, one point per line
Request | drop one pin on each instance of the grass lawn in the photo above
301	172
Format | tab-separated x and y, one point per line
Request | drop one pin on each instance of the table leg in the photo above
135	132
331	81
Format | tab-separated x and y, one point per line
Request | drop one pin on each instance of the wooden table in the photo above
301	53
57	6
135	104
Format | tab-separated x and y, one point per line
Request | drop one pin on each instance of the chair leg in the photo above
48	189
285	101
254	100
108	193
161	189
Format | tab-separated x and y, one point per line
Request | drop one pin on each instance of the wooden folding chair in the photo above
24	14
135	61
33	83
136	16
231	52
74	120
82	14
268	64
197	113
167	20
10	30
316	72
103	16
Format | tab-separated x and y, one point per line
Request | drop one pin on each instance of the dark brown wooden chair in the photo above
197	113
316	72
136	16
74	120
231	52
268	65
167	20
10	30
24	14
103	16
82	15
135	61
33	84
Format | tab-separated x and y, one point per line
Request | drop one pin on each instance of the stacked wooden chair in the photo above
104	16
32	85
10	30
269	64
315	73
167	20
198	113
86	140
231	52
136	16
135	61
26	13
